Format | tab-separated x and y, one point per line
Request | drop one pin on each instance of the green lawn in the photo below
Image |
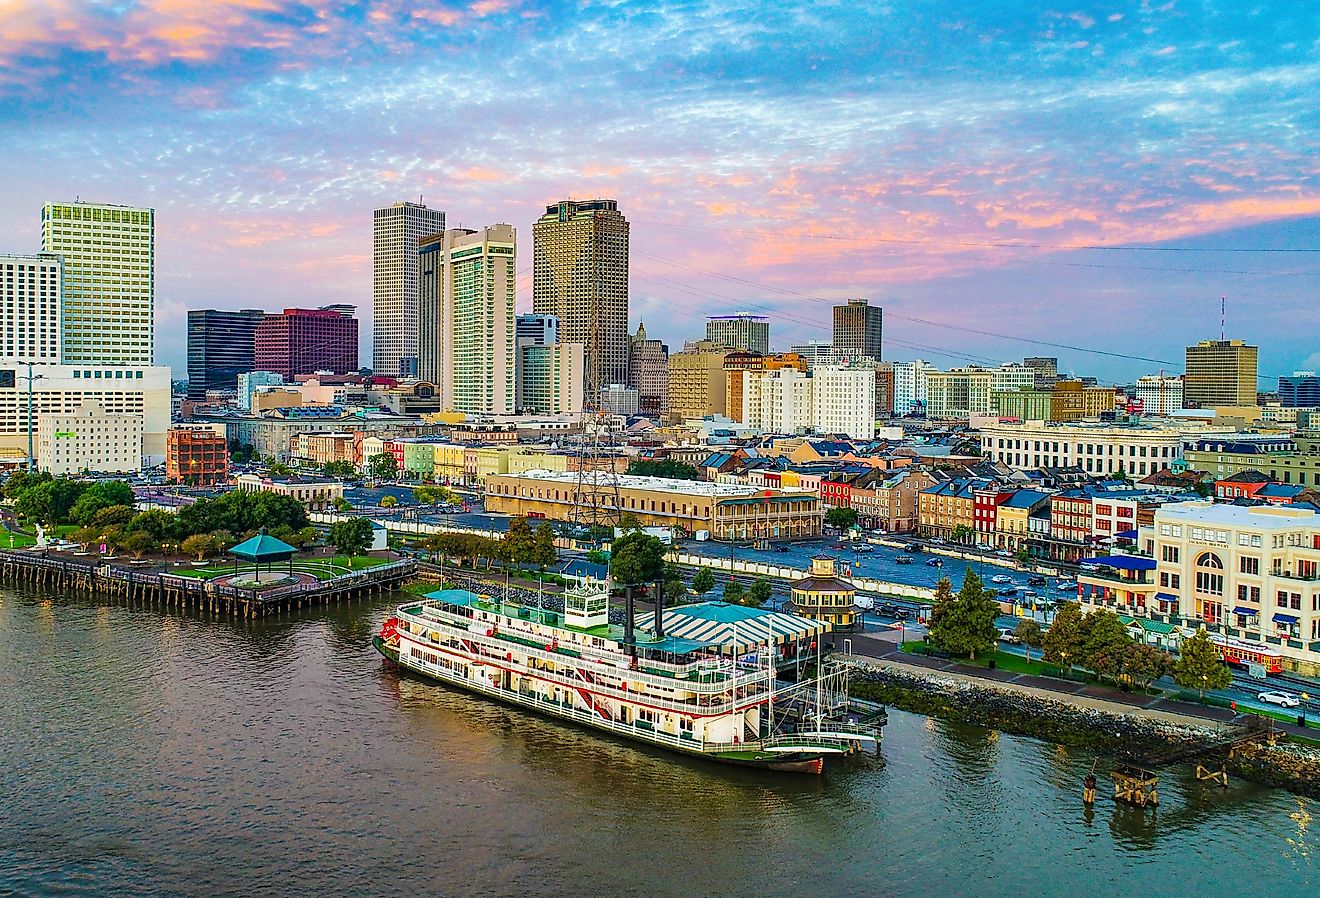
321	568
1003	660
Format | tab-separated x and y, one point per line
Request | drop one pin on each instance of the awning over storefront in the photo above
1242	609
1166	597
1284	619
1121	562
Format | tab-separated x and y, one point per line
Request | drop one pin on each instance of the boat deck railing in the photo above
708	683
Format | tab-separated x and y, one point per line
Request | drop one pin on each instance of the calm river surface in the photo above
150	754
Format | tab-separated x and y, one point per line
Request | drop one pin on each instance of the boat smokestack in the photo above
628	614
659	610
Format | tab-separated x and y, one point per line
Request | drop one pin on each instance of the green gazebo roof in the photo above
263	547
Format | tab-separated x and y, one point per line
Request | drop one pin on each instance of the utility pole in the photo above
29	377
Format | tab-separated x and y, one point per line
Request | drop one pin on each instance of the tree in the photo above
342	505
629	521
703	581
136	543
342	469
106	494
279	469
1063	645
961	534
352	536
544	552
675	590
968	626
21	480
940	609
841	518
86	536
734	592
201	546
427	494
637	558
759	593
388	501
1029	634
664	467
157	523
113	516
1105	636
50	500
1200	665
1023	556
519	541
1144	664
383	466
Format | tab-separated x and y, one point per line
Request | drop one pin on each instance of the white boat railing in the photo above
746	700
598	664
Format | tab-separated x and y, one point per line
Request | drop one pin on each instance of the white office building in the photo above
1160	396
30	288
107	315
777	401
910	386
1100	449
89	439
843	400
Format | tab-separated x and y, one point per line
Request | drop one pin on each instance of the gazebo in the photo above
263	549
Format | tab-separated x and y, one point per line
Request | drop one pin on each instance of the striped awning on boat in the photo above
728	625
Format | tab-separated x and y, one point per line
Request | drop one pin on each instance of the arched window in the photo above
1206	582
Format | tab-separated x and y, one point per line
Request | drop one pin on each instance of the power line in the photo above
1057	247
891	314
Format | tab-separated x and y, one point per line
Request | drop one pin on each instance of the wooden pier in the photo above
165	590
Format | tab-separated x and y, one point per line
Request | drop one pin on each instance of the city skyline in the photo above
880	168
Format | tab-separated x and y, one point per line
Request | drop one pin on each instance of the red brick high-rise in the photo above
303	341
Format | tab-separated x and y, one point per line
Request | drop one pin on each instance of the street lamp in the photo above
30	377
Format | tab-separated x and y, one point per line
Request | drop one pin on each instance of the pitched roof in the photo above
263	547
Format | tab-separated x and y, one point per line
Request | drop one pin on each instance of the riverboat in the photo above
738	685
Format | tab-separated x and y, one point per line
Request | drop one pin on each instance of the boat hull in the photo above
795	762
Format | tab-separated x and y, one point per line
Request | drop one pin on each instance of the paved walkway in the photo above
882	652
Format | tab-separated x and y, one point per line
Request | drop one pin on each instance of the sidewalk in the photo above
883	653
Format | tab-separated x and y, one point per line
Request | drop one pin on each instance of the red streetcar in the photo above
1235	651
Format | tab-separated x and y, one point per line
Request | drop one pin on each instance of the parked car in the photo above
1003	553
1036	580
1282	699
1007	635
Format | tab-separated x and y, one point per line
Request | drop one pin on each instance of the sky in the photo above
1095	176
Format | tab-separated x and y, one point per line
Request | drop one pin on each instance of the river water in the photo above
143	753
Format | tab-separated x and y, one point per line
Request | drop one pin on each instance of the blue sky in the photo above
945	160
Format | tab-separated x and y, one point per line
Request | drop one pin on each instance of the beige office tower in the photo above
580	273
396	232
107	316
1220	373
467	283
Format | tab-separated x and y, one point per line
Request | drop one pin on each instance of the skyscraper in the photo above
742	330
396	234
466	318
648	373
1220	372
580	274
303	341
858	328
30	308
220	347
108	308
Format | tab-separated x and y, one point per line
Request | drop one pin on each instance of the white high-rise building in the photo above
910	385
777	401
816	352
107	315
1158	395
396	233
480	283
30	308
550	378
843	401
251	382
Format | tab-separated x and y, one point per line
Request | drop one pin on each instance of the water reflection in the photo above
163	753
